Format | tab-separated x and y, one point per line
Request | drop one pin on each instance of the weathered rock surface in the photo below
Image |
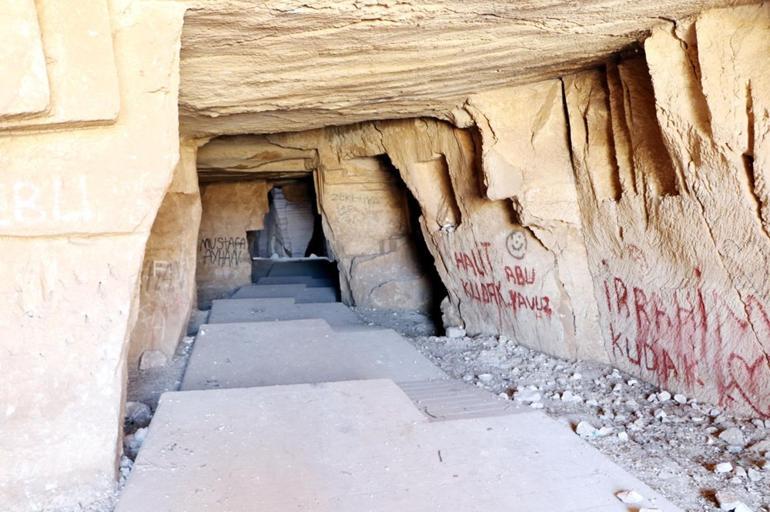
168	286
672	201
76	208
229	211
294	65
366	220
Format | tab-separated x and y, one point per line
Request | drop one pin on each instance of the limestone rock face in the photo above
78	83
524	158
673	204
76	208
366	222
23	84
294	65
168	286
500	277
229	211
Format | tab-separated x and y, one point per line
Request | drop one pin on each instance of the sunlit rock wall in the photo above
670	154
76	207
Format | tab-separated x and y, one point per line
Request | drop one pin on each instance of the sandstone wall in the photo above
76	209
229	211
332	62
366	222
168	286
499	276
670	154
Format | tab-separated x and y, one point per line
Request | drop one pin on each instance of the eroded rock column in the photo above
366	221
168	287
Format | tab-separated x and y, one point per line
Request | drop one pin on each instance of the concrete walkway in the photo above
305	413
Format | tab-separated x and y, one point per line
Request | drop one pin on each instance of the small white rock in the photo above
680	398
152	359
733	436
729	501
455	332
527	396
604	431
623	436
723	467
569	396
664	396
486	377
629	497
585	429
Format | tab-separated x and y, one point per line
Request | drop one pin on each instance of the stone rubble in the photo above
630	497
138	415
677	445
152	359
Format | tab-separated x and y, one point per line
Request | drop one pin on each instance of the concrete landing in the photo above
301	293
361	447
246	310
302	351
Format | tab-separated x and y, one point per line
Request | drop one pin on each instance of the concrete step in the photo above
316	268
447	399
245	310
310	282
362	446
300	292
297	352
265	291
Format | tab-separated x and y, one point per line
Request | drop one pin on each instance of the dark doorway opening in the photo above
292	244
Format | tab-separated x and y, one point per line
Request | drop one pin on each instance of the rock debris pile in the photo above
698	455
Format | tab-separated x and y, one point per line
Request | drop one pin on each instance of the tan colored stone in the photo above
495	287
366	223
77	207
672	208
168	286
241	156
331	62
524	158
23	76
77	38
229	211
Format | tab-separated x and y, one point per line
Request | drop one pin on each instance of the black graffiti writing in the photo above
223	251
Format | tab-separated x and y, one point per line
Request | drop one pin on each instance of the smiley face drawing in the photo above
516	243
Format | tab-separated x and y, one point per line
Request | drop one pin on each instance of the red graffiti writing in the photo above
476	261
671	335
519	275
